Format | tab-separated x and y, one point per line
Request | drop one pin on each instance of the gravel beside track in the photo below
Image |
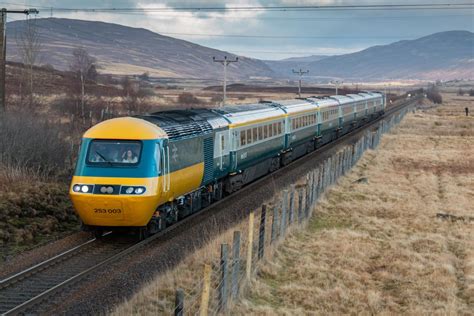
101	290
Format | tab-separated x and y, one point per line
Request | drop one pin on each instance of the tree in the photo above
29	47
434	96
81	65
460	92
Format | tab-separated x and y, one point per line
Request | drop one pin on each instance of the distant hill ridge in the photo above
127	50
444	55
123	49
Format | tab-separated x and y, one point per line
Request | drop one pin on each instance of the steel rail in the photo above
44	295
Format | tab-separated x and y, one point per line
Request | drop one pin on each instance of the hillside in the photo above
126	50
283	67
445	55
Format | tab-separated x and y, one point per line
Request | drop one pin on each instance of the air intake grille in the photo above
208	160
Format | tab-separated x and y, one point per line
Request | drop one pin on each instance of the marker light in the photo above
129	190
85	189
76	188
110	190
139	190
103	190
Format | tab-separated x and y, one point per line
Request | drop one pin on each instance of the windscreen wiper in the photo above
103	157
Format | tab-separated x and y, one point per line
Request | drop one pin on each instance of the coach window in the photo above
265	132
270	130
249	136
254	134
260	133
242	138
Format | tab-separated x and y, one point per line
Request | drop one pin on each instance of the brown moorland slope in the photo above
379	247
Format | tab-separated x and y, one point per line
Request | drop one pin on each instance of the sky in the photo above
270	34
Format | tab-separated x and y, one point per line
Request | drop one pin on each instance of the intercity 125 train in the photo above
147	172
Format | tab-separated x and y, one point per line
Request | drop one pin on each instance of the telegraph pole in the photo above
225	62
337	84
3	48
300	73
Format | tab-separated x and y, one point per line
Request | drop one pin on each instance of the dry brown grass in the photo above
378	248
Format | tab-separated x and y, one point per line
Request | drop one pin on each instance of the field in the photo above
378	246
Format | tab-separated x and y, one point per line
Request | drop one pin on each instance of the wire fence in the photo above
226	278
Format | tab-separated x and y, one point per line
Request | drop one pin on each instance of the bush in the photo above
434	96
471	93
187	98
460	92
33	143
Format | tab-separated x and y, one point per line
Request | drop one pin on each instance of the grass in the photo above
377	247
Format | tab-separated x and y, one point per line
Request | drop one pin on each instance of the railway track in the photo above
27	289
30	286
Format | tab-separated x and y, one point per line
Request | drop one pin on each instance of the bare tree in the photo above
81	65
29	46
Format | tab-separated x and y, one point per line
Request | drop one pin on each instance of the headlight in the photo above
132	190
76	188
85	189
110	190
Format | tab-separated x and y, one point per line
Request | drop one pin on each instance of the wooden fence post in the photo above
235	264
203	308
261	232
250	246
223	283
300	205
274	224
283	221
179	303
292	204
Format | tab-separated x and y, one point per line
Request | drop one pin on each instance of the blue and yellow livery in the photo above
149	171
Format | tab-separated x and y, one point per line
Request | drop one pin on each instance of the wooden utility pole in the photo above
300	73
3	48
225	62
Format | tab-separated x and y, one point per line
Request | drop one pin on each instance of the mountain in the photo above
127	50
283	67
444	55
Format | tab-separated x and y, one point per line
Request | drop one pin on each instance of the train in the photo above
146	172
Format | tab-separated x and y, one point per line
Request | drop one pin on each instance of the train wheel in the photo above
143	233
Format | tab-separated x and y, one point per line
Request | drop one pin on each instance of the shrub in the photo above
460	92
187	98
434	96
31	142
471	93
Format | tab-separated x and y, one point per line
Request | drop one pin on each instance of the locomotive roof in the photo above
182	123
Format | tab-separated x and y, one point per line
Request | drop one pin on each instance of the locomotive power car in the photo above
147	172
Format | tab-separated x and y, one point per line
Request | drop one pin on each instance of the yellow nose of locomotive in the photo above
114	201
117	177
